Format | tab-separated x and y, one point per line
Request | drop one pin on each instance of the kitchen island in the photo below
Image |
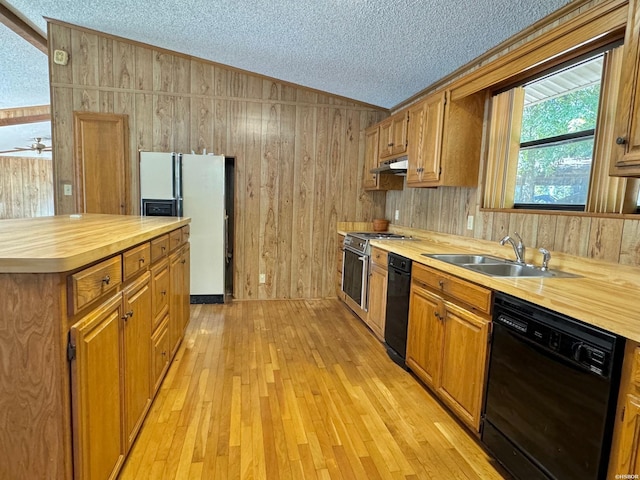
71	285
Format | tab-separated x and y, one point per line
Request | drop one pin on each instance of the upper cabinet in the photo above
375	181
445	139
393	136
625	161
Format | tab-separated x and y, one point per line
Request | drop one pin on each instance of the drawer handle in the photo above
106	280
163	292
183	261
141	260
163	248
441	283
128	315
164	354
437	315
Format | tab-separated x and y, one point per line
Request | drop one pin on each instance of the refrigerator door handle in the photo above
227	256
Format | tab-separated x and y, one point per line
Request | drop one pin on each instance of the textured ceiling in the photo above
379	52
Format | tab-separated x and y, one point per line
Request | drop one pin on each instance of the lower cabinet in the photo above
119	353
97	394
377	292
160	353
136	354
447	341
625	453
179	272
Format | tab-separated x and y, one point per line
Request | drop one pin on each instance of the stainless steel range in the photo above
355	267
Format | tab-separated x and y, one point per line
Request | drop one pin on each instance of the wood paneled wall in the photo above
26	187
299	153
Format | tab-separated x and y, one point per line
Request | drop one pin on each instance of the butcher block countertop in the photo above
65	242
606	295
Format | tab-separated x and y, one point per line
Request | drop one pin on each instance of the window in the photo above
557	137
550	141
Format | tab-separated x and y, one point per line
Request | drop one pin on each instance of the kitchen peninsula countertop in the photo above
65	242
606	295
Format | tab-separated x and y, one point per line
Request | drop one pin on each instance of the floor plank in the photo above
292	389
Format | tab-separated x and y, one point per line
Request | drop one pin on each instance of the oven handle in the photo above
364	302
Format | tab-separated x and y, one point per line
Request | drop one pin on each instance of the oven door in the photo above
542	409
355	277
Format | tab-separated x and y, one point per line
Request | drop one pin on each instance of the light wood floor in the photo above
293	390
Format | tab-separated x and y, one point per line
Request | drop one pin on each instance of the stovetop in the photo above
359	241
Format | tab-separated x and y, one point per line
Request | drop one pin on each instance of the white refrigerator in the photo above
189	185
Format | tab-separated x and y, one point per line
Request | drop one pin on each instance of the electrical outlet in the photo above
263	278
397	217
470	222
68	191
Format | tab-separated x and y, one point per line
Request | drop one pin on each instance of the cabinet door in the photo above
160	284
377	300
97	392
628	451
176	311
626	158
424	334
160	353
464	362
399	134
371	159
384	140
137	354
426	122
185	292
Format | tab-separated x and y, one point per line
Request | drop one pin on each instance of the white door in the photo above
157	173
203	201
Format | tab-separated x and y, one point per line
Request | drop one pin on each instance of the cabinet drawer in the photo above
159	247
186	230
136	259
175	239
635	369
93	282
379	257
160	282
466	292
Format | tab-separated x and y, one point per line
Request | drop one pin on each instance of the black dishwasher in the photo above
551	393
397	313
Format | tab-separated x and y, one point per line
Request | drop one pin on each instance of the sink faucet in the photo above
518	248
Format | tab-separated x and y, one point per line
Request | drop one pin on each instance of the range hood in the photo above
397	166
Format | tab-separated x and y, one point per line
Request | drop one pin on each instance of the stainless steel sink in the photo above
462	259
497	267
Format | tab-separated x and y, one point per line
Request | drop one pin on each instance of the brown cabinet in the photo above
625	453
377	292
94	282
97	392
179	296
159	354
122	351
136	354
392	141
339	261
625	160
445	139
374	181
447	340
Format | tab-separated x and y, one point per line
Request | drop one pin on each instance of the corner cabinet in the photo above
625	161
447	339
374	181
445	140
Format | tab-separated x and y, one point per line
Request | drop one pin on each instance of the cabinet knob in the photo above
141	260
621	140
441	283
437	315
390	144
163	292
164	354
183	261
127	315
106	280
